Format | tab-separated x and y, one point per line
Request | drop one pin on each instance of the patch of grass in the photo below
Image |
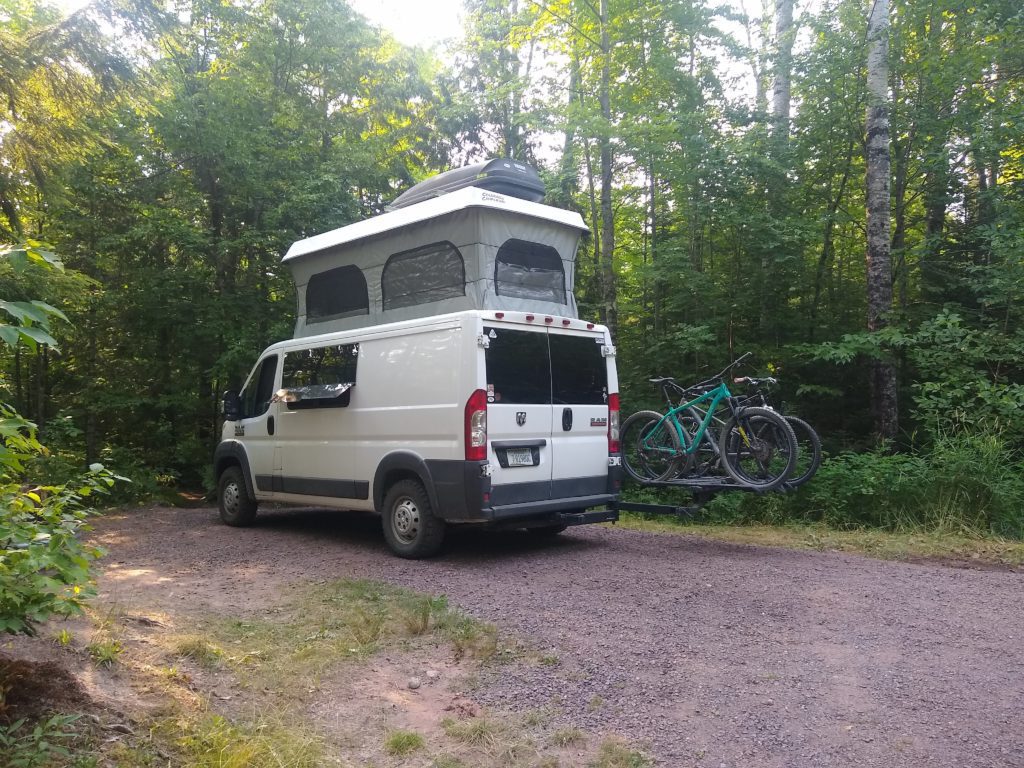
595	703
917	545
213	741
447	761
614	754
104	653
478	731
422	613
535	717
347	619
400	743
199	650
64	638
566	737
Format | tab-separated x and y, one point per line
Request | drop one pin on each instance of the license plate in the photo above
519	457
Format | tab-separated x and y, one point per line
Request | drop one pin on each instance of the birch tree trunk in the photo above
609	304
879	260
785	33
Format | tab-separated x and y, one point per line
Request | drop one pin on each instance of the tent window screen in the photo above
339	292
528	270
432	273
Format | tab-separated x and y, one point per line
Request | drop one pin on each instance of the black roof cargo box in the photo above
504	176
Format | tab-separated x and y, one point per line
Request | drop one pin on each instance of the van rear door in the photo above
579	393
547	413
518	413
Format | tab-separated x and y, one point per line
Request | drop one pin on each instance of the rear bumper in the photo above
552	506
464	494
553	518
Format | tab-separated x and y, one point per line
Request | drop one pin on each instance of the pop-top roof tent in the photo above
465	239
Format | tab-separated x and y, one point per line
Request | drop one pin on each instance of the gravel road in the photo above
703	653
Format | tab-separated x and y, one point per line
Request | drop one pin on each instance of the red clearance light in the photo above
566	322
499	315
590	326
529	318
549	319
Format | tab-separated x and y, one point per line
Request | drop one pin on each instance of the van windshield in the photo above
533	367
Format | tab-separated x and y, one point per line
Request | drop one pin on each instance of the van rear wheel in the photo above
236	508
410	527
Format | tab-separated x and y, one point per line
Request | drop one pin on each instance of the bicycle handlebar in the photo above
720	376
769	380
667	381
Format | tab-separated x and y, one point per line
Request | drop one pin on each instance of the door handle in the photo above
566	419
270	425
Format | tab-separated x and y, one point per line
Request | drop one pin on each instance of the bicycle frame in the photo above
716	396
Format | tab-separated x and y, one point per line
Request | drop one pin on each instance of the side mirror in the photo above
232	406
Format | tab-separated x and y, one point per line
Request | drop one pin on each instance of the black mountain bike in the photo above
809	457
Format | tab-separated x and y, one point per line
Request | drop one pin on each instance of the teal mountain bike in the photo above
709	439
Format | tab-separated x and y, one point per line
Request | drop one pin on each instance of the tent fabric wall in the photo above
476	232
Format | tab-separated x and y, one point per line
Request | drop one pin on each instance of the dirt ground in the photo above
700	653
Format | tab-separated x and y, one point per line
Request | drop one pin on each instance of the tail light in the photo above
476	426
613	423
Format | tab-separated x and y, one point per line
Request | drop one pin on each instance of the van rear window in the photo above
518	368
579	375
529	367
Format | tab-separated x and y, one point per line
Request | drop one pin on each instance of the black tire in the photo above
809	447
410	527
236	508
650	447
759	449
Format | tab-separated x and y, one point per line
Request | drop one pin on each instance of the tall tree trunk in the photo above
828	240
610	308
568	170
785	32
879	262
657	287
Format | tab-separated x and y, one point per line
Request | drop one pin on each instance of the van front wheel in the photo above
236	508
410	527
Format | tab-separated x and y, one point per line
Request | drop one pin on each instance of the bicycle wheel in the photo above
808	451
759	449
649	447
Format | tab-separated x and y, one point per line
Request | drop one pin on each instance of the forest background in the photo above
170	153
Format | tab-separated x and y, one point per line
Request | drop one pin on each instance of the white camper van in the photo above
439	376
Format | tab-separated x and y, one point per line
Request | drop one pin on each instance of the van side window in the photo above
338	292
431	273
528	270
259	390
319	373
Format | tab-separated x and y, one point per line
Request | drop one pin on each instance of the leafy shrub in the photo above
40	744
965	482
44	566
